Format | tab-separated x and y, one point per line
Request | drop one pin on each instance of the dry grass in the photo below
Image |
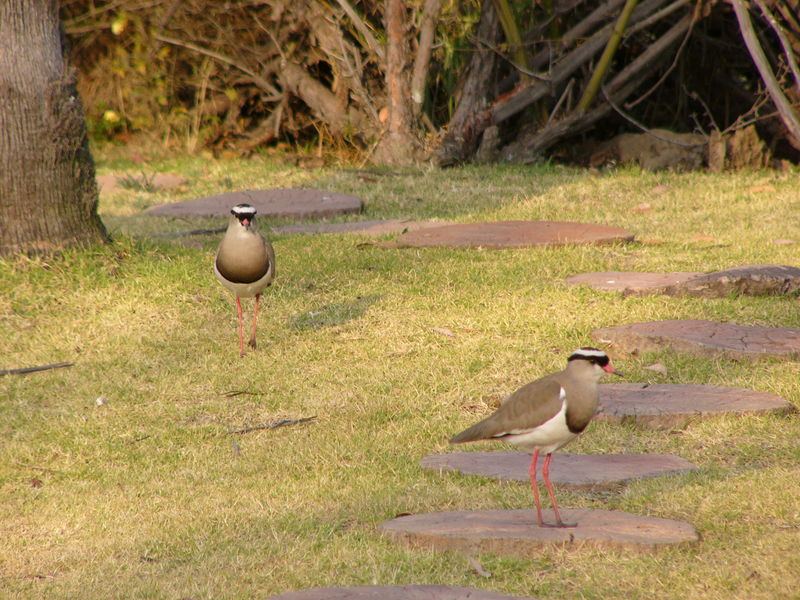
145	495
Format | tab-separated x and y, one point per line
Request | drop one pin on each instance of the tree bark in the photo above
399	145
48	192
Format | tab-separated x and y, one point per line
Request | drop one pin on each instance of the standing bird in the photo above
546	414
245	263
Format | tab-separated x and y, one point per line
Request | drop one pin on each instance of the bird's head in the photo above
597	360
244	214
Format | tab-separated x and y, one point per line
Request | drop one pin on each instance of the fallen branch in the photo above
462	136
787	46
621	86
512	103
273	425
24	370
780	101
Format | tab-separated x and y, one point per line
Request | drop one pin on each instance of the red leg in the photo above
535	486
241	333
551	492
252	341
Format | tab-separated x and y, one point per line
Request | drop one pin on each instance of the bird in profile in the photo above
545	415
245	263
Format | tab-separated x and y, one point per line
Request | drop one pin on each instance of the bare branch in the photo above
363	29
783	105
427	31
787	47
257	79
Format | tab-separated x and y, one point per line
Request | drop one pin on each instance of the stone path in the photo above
515	533
576	471
297	203
630	282
404	592
675	406
751	280
703	337
513	234
384	227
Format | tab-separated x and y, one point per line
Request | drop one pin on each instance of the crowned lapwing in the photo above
546	414
245	263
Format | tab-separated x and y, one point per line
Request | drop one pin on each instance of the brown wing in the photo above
527	408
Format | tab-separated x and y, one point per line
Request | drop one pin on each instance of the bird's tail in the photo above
471	434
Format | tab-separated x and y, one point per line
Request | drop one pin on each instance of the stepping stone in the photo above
513	234
751	280
269	203
675	406
385	227
576	471
110	183
391	592
631	283
707	338
515	533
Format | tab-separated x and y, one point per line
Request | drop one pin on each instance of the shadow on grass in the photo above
333	314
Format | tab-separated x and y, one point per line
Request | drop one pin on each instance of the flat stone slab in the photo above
577	471
675	406
298	203
513	234
515	532
708	338
751	280
631	282
385	227
158	181
392	592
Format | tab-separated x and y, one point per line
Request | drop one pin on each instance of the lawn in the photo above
119	477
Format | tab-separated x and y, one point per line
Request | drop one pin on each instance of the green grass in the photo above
145	494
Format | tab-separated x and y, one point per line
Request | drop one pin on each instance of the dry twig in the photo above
273	425
24	370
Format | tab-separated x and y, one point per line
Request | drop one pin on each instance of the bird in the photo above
245	263
545	415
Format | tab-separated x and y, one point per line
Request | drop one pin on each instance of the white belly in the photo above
547	437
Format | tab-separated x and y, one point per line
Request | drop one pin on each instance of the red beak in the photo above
609	369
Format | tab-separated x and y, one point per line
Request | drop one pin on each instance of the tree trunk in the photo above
48	193
399	145
479	88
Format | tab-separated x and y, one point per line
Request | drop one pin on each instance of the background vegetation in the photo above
235	76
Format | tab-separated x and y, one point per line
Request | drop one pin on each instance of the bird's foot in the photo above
252	343
559	524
